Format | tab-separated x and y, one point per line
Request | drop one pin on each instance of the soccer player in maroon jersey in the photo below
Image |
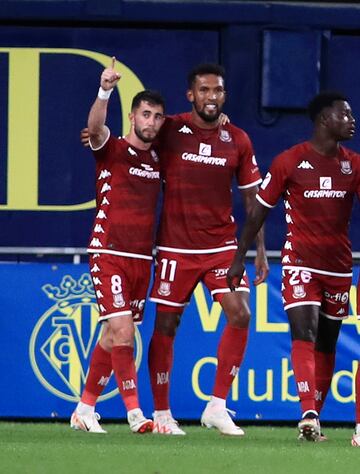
196	240
355	441
318	180
127	188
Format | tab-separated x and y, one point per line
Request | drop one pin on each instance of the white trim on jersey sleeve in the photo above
251	185
101	146
264	203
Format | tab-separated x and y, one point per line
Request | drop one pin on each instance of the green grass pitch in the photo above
53	448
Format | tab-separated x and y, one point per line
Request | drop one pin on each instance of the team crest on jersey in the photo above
164	288
345	167
65	336
154	156
225	136
299	291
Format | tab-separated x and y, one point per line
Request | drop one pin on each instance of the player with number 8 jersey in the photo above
120	248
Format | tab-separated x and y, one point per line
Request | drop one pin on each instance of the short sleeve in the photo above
275	182
248	173
106	149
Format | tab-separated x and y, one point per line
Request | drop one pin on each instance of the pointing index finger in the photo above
113	62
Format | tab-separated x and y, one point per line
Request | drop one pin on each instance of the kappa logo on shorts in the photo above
164	288
65	336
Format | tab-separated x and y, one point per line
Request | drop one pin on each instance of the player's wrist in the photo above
104	94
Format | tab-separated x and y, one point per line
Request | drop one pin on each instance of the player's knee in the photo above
238	317
167	323
123	335
303	334
106	338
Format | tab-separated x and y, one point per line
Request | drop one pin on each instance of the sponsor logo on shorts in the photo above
137	307
220	272
164	288
337	297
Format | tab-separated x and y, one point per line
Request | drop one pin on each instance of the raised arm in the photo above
98	131
255	218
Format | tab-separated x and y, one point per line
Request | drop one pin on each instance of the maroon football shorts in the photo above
120	284
305	287
177	274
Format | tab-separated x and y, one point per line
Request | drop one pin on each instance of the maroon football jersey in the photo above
318	194
198	168
127	188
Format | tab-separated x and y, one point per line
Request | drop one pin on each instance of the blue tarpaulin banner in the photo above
49	329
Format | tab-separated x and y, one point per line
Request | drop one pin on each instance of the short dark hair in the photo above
205	68
322	100
150	96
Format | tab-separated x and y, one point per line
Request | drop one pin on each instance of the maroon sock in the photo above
160	364
230	355
324	369
125	374
303	362
98	375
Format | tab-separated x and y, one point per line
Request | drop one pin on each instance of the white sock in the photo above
217	402
162	412
357	428
84	409
134	411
